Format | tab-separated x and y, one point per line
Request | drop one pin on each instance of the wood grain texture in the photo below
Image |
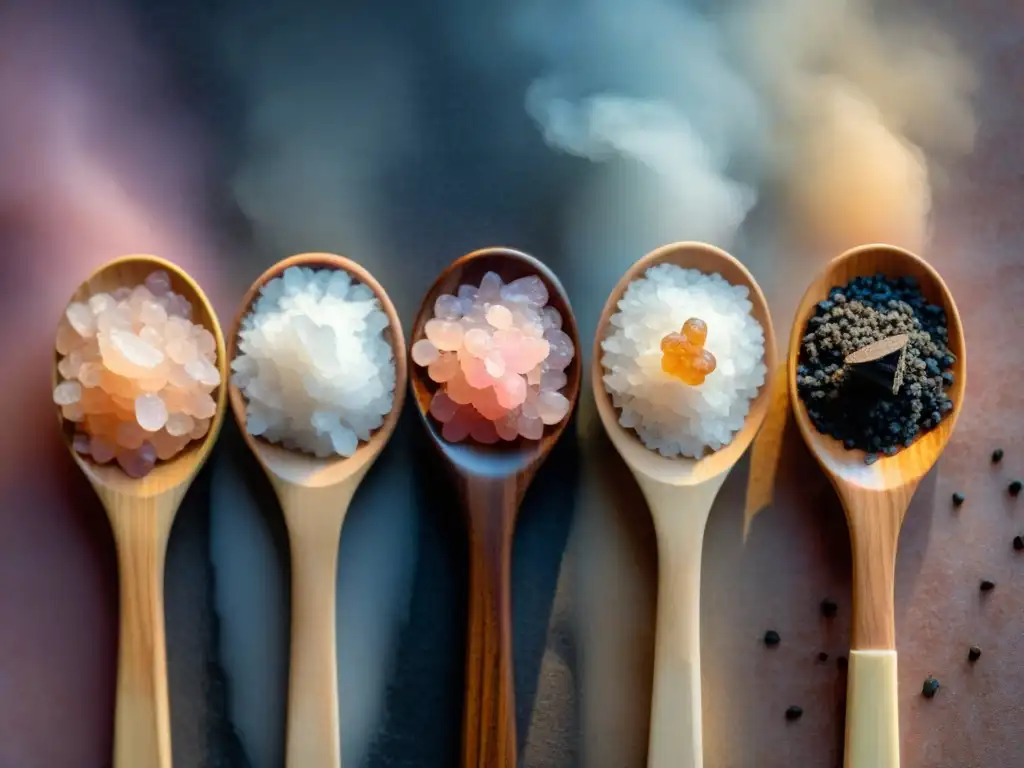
680	493
141	514
315	494
492	480
875	498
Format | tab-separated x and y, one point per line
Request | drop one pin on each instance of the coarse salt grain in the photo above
669	416
499	355
121	384
315	363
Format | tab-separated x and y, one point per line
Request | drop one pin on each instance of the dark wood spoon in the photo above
491	480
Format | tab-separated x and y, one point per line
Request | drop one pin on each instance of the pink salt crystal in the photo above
499	316
151	336
205	342
133	352
553	380
562	350
202	426
153	314
150	412
203	372
122	293
483	431
459	390
508	426
551	318
166	445
158	282
100	303
467	293
90	374
201	406
179	424
67	393
552	406
529	406
424	352
181	350
530	289
448	307
442	407
490	288
445	335
81	319
73	412
531	428
485	402
81	443
102	449
456	429
533	378
477	342
444	368
511	391
475	371
67	338
494	362
95	400
130	435
136	463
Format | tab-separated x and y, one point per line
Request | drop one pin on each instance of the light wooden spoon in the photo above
875	499
680	493
315	494
492	480
141	513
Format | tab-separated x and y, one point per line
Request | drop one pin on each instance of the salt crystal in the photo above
442	407
490	288
530	290
203	372
102	449
136	463
80	443
73	412
424	352
344	441
444	368
477	342
133	351
552	406
130	435
499	316
150	412
444	334
531	428
81	319
179	424
447	307
67	393
158	282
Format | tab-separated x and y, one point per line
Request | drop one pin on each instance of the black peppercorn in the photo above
822	656
997	455
930	687
987	586
974	653
1015	487
842	662
794	713
1018	543
829	608
958	499
771	638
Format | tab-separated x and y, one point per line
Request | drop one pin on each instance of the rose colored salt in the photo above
138	376
498	355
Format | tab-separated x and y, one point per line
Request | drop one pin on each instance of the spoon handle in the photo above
142	727
314	530
680	516
872	720
489	721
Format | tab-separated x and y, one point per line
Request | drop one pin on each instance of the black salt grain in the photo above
1018	543
1015	487
997	455
772	638
986	585
930	688
794	713
958	499
973	653
829	608
822	656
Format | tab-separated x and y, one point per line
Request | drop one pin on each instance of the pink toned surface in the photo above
57	572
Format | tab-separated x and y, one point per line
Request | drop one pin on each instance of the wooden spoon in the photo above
315	494
876	499
680	493
492	480
141	513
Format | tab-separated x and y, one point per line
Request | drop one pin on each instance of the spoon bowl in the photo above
680	493
315	494
875	499
141	513
492	480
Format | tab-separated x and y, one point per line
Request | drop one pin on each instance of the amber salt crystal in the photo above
684	356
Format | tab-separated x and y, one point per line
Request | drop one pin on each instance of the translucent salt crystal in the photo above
115	318
205	342
150	412
561	349
80	443
67	338
531	428
507	427
485	402
467	293
101	302
533	378
151	336
203	371
202	426
134	351
338	283
153	314
179	306
551	318
499	316
81	319
344	441
477	342
444	368
129	435
475	371
102	449
459	390
67	393
179	424
424	352
445	335
511	391
490	288
155	382
442	407
456	429
255	422
69	367
182	351
530	289
201	406
483	431
552	406
158	282
136	463
494	362
447	307
73	412
90	374
165	444
553	380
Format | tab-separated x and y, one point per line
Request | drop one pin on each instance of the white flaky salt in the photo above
669	416
138	375
315	363
498	355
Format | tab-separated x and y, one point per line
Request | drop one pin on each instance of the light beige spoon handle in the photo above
142	726
872	719
314	518
680	515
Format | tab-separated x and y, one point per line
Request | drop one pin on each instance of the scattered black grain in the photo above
870	458
794	713
987	586
1018	543
958	499
842	662
1015	487
822	656
829	608
772	638
860	415
973	653
997	455
930	688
